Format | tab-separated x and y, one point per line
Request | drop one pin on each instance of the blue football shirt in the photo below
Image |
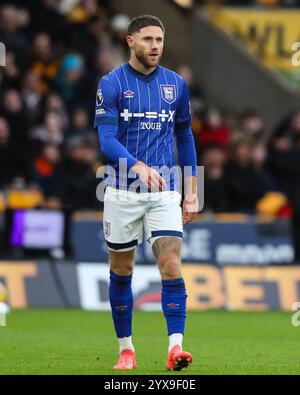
146	109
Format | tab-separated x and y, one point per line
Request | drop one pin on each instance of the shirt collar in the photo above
141	76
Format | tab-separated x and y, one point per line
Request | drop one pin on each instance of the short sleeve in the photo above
106	109
183	112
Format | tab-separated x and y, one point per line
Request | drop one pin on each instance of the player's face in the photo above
147	45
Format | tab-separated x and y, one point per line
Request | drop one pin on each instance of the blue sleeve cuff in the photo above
182	125
186	151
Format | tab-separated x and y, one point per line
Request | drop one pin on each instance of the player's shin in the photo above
174	309
121	301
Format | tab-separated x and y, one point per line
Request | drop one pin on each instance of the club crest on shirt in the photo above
99	97
168	93
106	228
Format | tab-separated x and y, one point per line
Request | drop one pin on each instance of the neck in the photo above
138	66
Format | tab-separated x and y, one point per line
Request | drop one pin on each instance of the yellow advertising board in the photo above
242	288
272	35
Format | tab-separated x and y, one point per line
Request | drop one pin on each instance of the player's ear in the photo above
129	41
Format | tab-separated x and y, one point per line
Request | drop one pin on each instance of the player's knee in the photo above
170	267
122	269
121	263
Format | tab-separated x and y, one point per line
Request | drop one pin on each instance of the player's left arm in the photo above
187	156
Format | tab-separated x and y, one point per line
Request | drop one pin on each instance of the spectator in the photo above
80	13
86	39
13	162
259	156
119	25
106	60
214	130
51	131
284	164
245	185
80	122
70	82
32	97
250	124
11	73
10	31
55	104
44	61
215	195
284	154
47	172
79	175
187	74
14	112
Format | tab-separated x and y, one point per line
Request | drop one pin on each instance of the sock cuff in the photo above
121	280
177	283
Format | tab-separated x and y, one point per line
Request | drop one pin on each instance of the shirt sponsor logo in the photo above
163	116
150	125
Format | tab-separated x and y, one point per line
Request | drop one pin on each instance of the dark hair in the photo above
141	21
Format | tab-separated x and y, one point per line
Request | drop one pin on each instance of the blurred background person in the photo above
44	60
13	161
215	192
50	131
78	173
214	129
245	184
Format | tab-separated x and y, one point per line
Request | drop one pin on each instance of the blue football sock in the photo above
121	302
173	301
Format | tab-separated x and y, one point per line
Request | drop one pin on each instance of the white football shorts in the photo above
127	214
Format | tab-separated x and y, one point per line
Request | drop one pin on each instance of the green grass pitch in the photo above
71	341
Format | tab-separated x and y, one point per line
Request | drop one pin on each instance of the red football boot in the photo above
178	359
126	361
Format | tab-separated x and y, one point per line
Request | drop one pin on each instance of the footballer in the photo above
140	106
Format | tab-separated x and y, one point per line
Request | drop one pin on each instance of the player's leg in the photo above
121	301
163	225
167	251
123	231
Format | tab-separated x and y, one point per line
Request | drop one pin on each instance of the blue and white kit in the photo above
137	117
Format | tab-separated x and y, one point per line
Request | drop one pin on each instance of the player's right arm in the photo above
107	122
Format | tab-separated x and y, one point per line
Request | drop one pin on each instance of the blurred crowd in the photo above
56	52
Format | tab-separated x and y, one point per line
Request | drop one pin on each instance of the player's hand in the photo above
190	208
149	177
